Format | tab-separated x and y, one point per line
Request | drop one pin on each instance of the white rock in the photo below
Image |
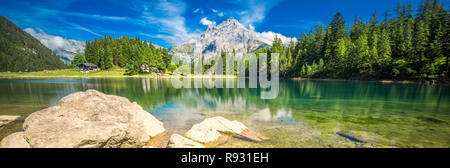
209	129
91	120
5	119
203	134
224	125
178	141
15	140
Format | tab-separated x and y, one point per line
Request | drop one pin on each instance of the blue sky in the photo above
173	22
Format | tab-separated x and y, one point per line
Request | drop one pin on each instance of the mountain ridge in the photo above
227	36
19	51
65	49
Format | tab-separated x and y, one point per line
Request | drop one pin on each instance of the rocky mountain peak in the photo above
231	20
228	36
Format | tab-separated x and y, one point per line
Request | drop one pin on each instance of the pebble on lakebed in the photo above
92	119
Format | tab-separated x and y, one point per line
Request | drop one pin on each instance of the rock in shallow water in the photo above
210	129
203	134
5	119
252	136
91	119
178	141
15	140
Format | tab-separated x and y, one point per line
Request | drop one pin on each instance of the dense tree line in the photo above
19	51
404	46
126	52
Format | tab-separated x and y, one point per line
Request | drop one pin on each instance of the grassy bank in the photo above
75	73
117	72
120	72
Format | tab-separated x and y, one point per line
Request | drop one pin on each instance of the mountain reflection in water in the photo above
306	113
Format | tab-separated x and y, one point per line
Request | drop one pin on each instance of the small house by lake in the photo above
145	69
88	67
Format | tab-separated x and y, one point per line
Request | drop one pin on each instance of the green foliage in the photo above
132	68
171	67
406	46
126	52
78	60
19	51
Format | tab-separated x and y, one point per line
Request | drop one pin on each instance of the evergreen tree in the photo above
78	60
126	52
335	32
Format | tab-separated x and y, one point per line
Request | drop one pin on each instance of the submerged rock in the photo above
431	119
15	140
252	136
5	119
178	141
210	129
91	119
349	137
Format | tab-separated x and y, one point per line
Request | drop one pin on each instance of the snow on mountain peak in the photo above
228	36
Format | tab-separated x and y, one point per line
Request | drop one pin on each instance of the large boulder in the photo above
5	119
210	129
178	141
91	120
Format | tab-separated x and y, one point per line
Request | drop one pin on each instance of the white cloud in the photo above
82	15
269	36
255	11
57	43
169	21
206	22
52	42
196	10
217	12
85	29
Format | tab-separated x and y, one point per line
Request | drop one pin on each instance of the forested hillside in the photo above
19	51
403	44
126	52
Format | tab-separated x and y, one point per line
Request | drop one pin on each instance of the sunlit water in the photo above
308	113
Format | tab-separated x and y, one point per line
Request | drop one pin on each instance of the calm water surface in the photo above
305	114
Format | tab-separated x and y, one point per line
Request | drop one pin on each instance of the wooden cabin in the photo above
88	67
146	69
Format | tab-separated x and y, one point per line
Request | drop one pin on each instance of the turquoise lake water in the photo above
306	113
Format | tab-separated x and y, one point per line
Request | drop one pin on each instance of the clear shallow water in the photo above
309	113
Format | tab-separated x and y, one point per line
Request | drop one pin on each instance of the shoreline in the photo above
119	74
124	76
401	81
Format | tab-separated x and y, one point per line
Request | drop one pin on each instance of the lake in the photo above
306	113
